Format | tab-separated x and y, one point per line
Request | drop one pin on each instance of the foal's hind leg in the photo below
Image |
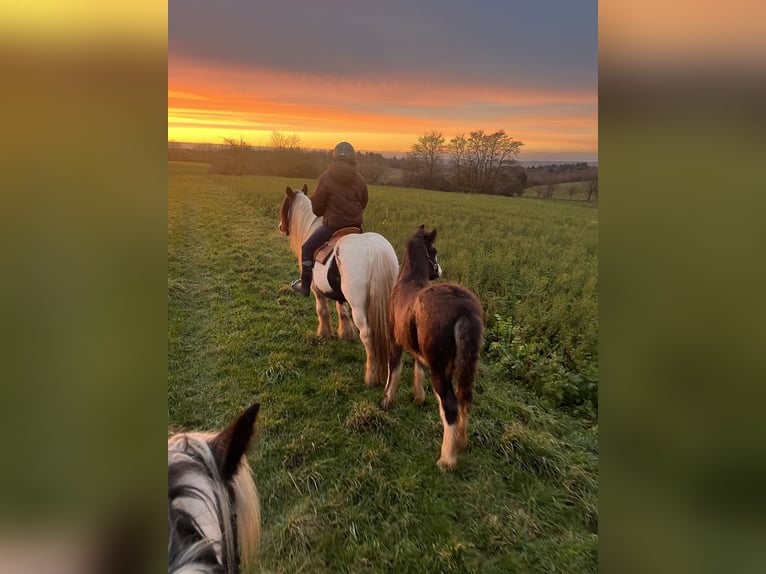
417	383
394	373
345	324
461	435
323	314
448	410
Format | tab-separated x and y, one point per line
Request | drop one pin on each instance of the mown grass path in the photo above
344	486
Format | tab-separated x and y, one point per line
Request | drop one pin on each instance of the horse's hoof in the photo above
446	465
419	400
385	404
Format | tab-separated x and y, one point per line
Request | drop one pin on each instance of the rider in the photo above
340	197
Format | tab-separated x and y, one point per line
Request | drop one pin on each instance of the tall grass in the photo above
346	487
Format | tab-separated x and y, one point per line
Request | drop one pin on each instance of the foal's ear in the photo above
289	192
230	445
305	189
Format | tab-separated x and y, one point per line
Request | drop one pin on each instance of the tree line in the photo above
477	162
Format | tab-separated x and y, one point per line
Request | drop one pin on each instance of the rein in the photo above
234	529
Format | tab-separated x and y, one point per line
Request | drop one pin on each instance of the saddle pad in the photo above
322	253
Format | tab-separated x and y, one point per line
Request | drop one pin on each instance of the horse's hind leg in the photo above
417	383
448	410
345	324
323	314
365	334
394	373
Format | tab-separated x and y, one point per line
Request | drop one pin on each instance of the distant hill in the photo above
386	153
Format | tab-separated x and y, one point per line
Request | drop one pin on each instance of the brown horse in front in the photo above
442	326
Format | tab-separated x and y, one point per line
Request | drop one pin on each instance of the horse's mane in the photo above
302	221
199	501
414	265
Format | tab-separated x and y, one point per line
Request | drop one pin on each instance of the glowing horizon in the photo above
207	103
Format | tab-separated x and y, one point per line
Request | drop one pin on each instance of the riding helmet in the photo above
343	150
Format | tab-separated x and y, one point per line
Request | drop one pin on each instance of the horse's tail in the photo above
384	269
469	338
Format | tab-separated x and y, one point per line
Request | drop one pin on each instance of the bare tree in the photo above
234	145
289	142
479	159
458	148
426	155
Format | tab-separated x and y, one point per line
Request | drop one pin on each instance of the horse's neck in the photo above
303	224
414	267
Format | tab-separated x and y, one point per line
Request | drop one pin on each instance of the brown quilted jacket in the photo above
340	195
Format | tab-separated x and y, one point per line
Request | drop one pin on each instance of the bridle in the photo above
433	262
434	265
234	529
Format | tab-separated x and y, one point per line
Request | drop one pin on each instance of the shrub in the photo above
535	364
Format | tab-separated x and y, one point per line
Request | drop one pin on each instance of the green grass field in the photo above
344	486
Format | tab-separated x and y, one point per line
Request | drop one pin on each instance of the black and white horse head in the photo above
213	507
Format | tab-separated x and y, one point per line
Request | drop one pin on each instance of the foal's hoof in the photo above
385	404
446	465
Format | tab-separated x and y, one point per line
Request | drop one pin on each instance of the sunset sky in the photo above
380	74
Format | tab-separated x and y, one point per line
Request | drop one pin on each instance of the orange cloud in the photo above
667	33
207	103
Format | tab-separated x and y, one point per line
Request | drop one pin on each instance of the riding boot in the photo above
303	284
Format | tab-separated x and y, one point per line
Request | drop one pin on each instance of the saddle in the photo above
322	253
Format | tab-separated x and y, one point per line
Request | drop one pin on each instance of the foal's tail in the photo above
469	338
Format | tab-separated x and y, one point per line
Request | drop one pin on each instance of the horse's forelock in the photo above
197	496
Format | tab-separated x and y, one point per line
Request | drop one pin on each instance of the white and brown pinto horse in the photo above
442	326
359	273
213	509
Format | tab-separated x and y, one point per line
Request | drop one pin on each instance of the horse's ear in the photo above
289	192
422	226
230	445
431	237
305	189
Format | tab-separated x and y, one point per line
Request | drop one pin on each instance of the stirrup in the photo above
298	287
